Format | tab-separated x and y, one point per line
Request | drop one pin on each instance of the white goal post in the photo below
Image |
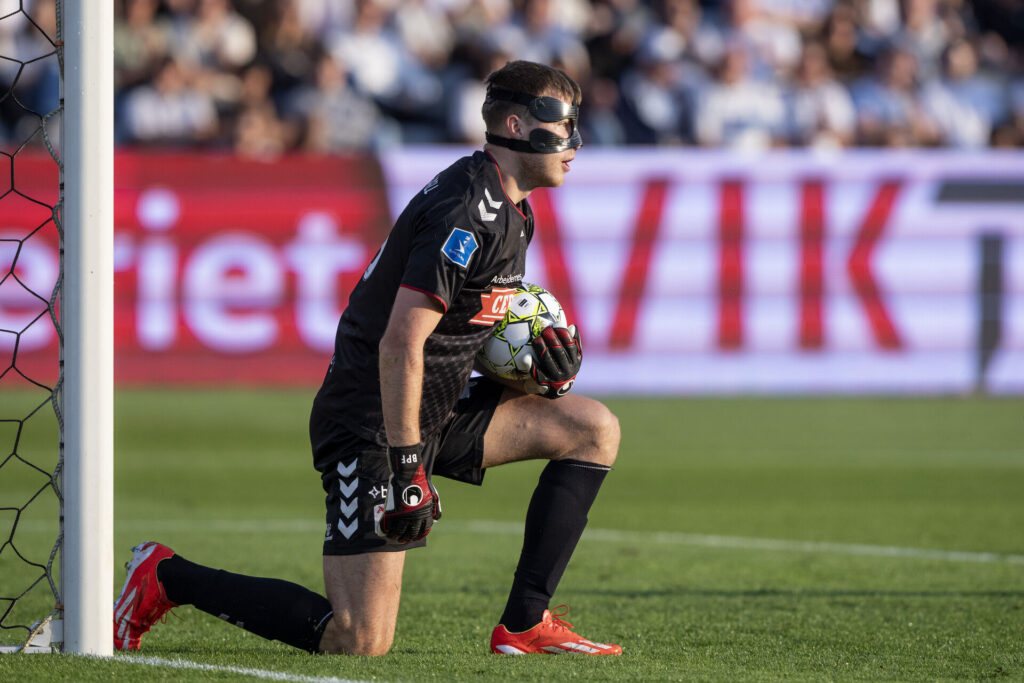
87	312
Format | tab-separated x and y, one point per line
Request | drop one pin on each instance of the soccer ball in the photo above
507	353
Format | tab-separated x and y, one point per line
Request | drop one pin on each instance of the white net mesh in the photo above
31	365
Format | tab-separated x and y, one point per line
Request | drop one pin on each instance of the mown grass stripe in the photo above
155	527
604	535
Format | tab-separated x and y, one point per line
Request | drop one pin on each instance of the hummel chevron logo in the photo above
484	213
348	489
347	508
347	469
494	205
348	529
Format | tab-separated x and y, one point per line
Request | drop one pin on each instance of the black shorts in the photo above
355	474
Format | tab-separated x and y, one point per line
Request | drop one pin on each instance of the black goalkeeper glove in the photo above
411	505
557	355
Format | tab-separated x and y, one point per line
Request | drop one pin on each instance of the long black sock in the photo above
554	523
271	608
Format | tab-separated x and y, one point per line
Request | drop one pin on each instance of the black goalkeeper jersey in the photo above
461	241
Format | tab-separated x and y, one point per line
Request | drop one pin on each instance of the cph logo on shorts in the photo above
459	247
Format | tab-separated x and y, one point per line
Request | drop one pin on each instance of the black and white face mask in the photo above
547	109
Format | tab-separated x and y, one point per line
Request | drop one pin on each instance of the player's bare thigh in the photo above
526	427
364	591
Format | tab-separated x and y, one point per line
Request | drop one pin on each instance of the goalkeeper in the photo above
397	406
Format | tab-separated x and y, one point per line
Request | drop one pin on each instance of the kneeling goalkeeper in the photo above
397	406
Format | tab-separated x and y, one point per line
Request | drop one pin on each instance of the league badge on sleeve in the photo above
459	247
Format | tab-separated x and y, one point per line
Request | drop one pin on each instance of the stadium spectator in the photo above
336	117
420	61
965	105
382	67
535	34
473	19
807	16
925	33
140	43
889	113
602	123
259	133
170	110
372	52
217	37
257	129
737	111
289	46
819	109
465	89
653	93
877	21
843	44
425	31
613	35
701	37
1011	132
773	46
29	76
320	17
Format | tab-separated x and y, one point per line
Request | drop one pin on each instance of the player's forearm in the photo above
401	382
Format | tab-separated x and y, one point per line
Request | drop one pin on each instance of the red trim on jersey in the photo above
430	294
502	183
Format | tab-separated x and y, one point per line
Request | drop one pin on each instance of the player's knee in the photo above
351	641
607	434
368	644
599	428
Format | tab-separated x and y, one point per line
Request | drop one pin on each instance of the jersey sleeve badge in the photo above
459	247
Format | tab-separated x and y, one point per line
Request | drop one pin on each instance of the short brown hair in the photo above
530	78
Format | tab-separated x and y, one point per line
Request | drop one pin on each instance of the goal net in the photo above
56	326
30	392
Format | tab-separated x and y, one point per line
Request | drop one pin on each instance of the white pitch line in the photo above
745	543
264	526
242	671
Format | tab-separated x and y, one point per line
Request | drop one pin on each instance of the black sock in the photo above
554	523
271	608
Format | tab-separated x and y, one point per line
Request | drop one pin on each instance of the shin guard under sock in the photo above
271	608
554	523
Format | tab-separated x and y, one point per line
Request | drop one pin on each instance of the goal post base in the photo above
46	637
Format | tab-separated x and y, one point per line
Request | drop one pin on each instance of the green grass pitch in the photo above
736	539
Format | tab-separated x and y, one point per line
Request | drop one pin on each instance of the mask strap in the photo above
511	143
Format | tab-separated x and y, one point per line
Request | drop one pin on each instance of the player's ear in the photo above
514	126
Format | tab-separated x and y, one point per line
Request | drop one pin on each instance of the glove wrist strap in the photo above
405	458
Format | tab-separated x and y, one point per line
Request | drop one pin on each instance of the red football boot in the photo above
142	601
552	636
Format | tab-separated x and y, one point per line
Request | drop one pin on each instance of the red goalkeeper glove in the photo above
411	505
557	355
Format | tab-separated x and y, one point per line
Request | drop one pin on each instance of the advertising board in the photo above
688	272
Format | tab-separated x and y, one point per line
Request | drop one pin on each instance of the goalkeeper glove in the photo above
557	355
411	504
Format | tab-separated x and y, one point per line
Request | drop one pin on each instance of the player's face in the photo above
548	170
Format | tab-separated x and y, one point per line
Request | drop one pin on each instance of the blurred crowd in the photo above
264	77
